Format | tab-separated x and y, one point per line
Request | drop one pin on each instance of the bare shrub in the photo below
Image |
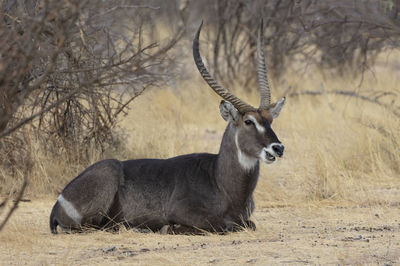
87	62
341	35
69	69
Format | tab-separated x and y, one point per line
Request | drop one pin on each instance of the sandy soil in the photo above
285	235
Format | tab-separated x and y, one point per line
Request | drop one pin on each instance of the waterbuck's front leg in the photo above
192	214
189	214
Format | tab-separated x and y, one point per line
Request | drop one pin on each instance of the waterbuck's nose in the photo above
278	149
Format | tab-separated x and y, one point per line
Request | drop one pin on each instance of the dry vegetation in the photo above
333	198
338	147
290	236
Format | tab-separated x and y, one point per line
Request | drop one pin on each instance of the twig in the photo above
15	205
28	119
346	93
125	7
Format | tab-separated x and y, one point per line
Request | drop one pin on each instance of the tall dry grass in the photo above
338	149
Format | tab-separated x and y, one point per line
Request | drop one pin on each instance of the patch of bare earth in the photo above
284	235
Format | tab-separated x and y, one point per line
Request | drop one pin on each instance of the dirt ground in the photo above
284	235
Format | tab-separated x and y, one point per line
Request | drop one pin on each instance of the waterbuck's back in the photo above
152	186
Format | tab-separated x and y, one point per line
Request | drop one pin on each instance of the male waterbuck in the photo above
212	192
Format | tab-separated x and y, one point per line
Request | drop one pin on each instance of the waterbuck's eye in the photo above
248	122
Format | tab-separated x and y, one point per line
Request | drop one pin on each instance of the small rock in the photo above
109	249
129	253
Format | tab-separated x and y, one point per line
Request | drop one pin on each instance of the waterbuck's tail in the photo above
53	219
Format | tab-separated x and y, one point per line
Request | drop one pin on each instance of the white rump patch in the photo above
71	211
259	127
247	162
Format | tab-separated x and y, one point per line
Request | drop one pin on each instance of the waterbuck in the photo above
212	192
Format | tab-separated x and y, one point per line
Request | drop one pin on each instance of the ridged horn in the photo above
240	105
263	84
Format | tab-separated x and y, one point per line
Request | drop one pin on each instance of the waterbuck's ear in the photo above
276	109
228	112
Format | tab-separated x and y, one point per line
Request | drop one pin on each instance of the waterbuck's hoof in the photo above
250	225
165	229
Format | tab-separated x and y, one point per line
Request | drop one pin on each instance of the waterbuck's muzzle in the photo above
278	149
269	154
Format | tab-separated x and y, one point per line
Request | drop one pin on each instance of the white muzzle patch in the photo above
268	155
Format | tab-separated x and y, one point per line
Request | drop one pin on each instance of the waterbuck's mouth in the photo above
269	156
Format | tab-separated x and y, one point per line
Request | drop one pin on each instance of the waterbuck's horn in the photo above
240	105
263	84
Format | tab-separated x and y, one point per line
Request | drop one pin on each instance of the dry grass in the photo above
339	179
284	236
332	153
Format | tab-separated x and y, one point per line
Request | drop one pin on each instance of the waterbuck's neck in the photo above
236	173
